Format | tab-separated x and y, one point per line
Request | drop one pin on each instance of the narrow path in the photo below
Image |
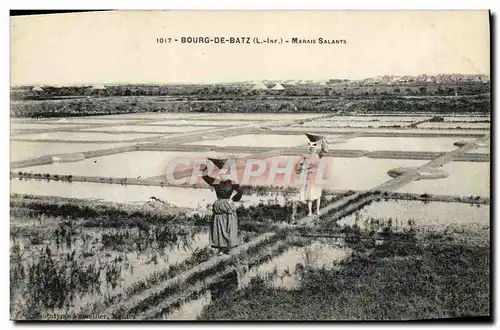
415	124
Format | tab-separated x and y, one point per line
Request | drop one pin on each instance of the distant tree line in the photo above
221	92
382	103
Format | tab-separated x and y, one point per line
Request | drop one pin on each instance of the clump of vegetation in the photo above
259	217
436	119
350	206
64	234
47	282
147	237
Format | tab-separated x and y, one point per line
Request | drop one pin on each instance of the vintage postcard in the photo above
250	165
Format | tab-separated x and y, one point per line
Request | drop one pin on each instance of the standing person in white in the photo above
308	166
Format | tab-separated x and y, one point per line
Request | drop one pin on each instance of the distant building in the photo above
259	86
98	87
37	89
278	87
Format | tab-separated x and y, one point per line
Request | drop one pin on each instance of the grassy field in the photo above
408	276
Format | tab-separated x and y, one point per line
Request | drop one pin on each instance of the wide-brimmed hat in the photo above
314	138
219	162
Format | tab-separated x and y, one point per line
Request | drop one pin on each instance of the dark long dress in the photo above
224	227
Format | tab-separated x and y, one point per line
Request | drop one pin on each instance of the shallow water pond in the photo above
384	130
134	164
150	128
465	118
259	116
146	116
29	126
257	140
22	150
348	173
341	123
401	143
454	125
83	120
181	197
283	271
480	150
466	179
85	136
424	214
375	118
196	122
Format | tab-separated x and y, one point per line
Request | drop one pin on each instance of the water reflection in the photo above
192	309
284	271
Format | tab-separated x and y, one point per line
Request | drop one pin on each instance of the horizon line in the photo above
109	83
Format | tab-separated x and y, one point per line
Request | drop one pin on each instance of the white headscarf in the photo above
324	146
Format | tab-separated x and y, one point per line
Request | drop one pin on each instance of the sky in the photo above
121	47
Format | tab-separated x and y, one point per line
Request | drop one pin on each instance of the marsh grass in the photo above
52	282
260	217
54	242
150	237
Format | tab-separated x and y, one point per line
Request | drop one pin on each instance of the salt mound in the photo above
212	137
433	173
157	202
460	143
68	158
430	173
395	172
